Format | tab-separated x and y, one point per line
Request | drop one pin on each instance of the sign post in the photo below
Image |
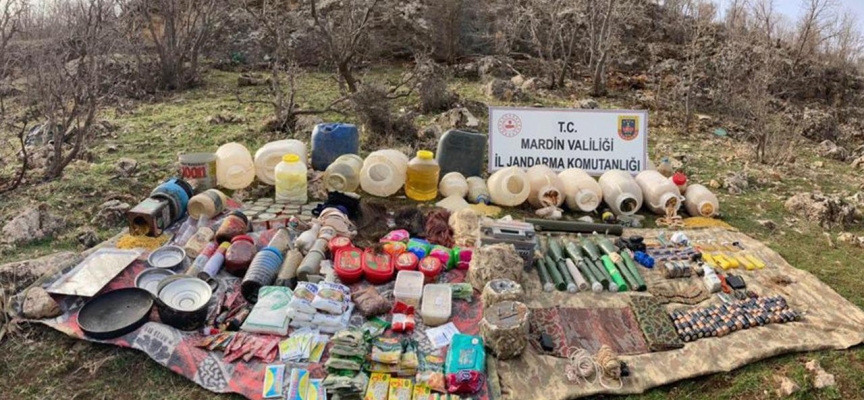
593	140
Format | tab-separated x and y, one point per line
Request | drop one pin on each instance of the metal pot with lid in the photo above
182	301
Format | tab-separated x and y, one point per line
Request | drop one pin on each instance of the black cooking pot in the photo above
182	301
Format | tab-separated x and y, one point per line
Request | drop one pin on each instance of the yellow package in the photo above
400	389
379	385
422	392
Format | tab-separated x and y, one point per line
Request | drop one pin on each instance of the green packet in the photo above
374	327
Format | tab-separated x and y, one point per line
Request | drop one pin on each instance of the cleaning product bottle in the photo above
621	192
581	191
343	175
658	192
700	202
509	187
383	172
291	180
547	189
421	183
234	166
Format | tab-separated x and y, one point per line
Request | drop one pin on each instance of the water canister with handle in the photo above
582	192
270	155
621	192
700	202
658	192
330	141
234	166
546	187
384	172
509	187
463	152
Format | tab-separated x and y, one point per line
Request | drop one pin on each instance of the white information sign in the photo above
593	140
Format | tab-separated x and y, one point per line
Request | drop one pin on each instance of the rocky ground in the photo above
809	210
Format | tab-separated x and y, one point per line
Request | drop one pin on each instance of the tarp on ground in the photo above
830	322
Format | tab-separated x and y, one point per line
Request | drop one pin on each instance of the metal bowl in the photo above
149	279
187	294
167	257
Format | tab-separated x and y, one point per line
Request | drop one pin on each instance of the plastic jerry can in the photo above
509	187
421	183
234	166
463	152
700	202
343	175
270	155
581	191
383	172
291	180
658	192
546	188
621	192
329	141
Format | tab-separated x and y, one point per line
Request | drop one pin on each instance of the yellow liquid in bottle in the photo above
422	180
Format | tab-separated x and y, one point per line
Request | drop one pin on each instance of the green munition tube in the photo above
590	248
597	265
606	245
568	279
616	276
575	255
544	275
578	279
628	262
555	249
611	250
557	279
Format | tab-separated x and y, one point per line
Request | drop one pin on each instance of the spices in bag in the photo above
303	296
409	359
379	386
331	298
430	372
386	350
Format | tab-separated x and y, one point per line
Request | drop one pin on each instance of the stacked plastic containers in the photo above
384	172
270	155
343	175
329	141
262	272
658	192
234	166
621	192
509	187
581	191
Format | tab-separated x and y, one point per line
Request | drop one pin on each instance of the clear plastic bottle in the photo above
343	175
291	180
234	166
421	183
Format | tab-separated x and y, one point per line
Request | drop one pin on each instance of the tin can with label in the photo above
199	169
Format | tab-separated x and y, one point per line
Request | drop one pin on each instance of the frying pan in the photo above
115	313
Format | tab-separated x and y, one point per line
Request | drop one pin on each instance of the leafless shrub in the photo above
344	31
432	87
552	29
11	12
373	106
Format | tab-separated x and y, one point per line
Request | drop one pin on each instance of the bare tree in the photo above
552	28
344	29
698	18
174	33
604	19
813	28
11	20
846	48
66	94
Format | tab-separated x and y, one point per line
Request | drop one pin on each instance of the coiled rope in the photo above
582	367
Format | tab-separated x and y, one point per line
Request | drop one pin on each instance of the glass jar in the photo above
239	255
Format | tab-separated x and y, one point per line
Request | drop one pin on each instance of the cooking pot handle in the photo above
214	284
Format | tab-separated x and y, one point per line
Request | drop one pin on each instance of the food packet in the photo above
430	372
379	386
370	303
386	350
409	359
374	327
399	235
462	291
331	298
304	294
419	247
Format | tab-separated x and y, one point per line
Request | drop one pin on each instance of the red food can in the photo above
407	262
377	267
339	243
348	265
430	267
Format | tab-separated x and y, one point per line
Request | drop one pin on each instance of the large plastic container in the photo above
421	182
463	152
658	192
478	192
234	166
699	201
329	141
546	188
453	184
621	192
409	287
343	175
509	187
270	155
581	191
437	304
291	180
384	172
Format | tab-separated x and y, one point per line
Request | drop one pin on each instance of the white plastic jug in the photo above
621	192
478	192
384	172
509	187
658	192
581	191
700	202
453	184
546	187
291	180
234	166
343	175
269	155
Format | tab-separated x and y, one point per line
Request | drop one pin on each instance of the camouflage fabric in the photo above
830	322
655	323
